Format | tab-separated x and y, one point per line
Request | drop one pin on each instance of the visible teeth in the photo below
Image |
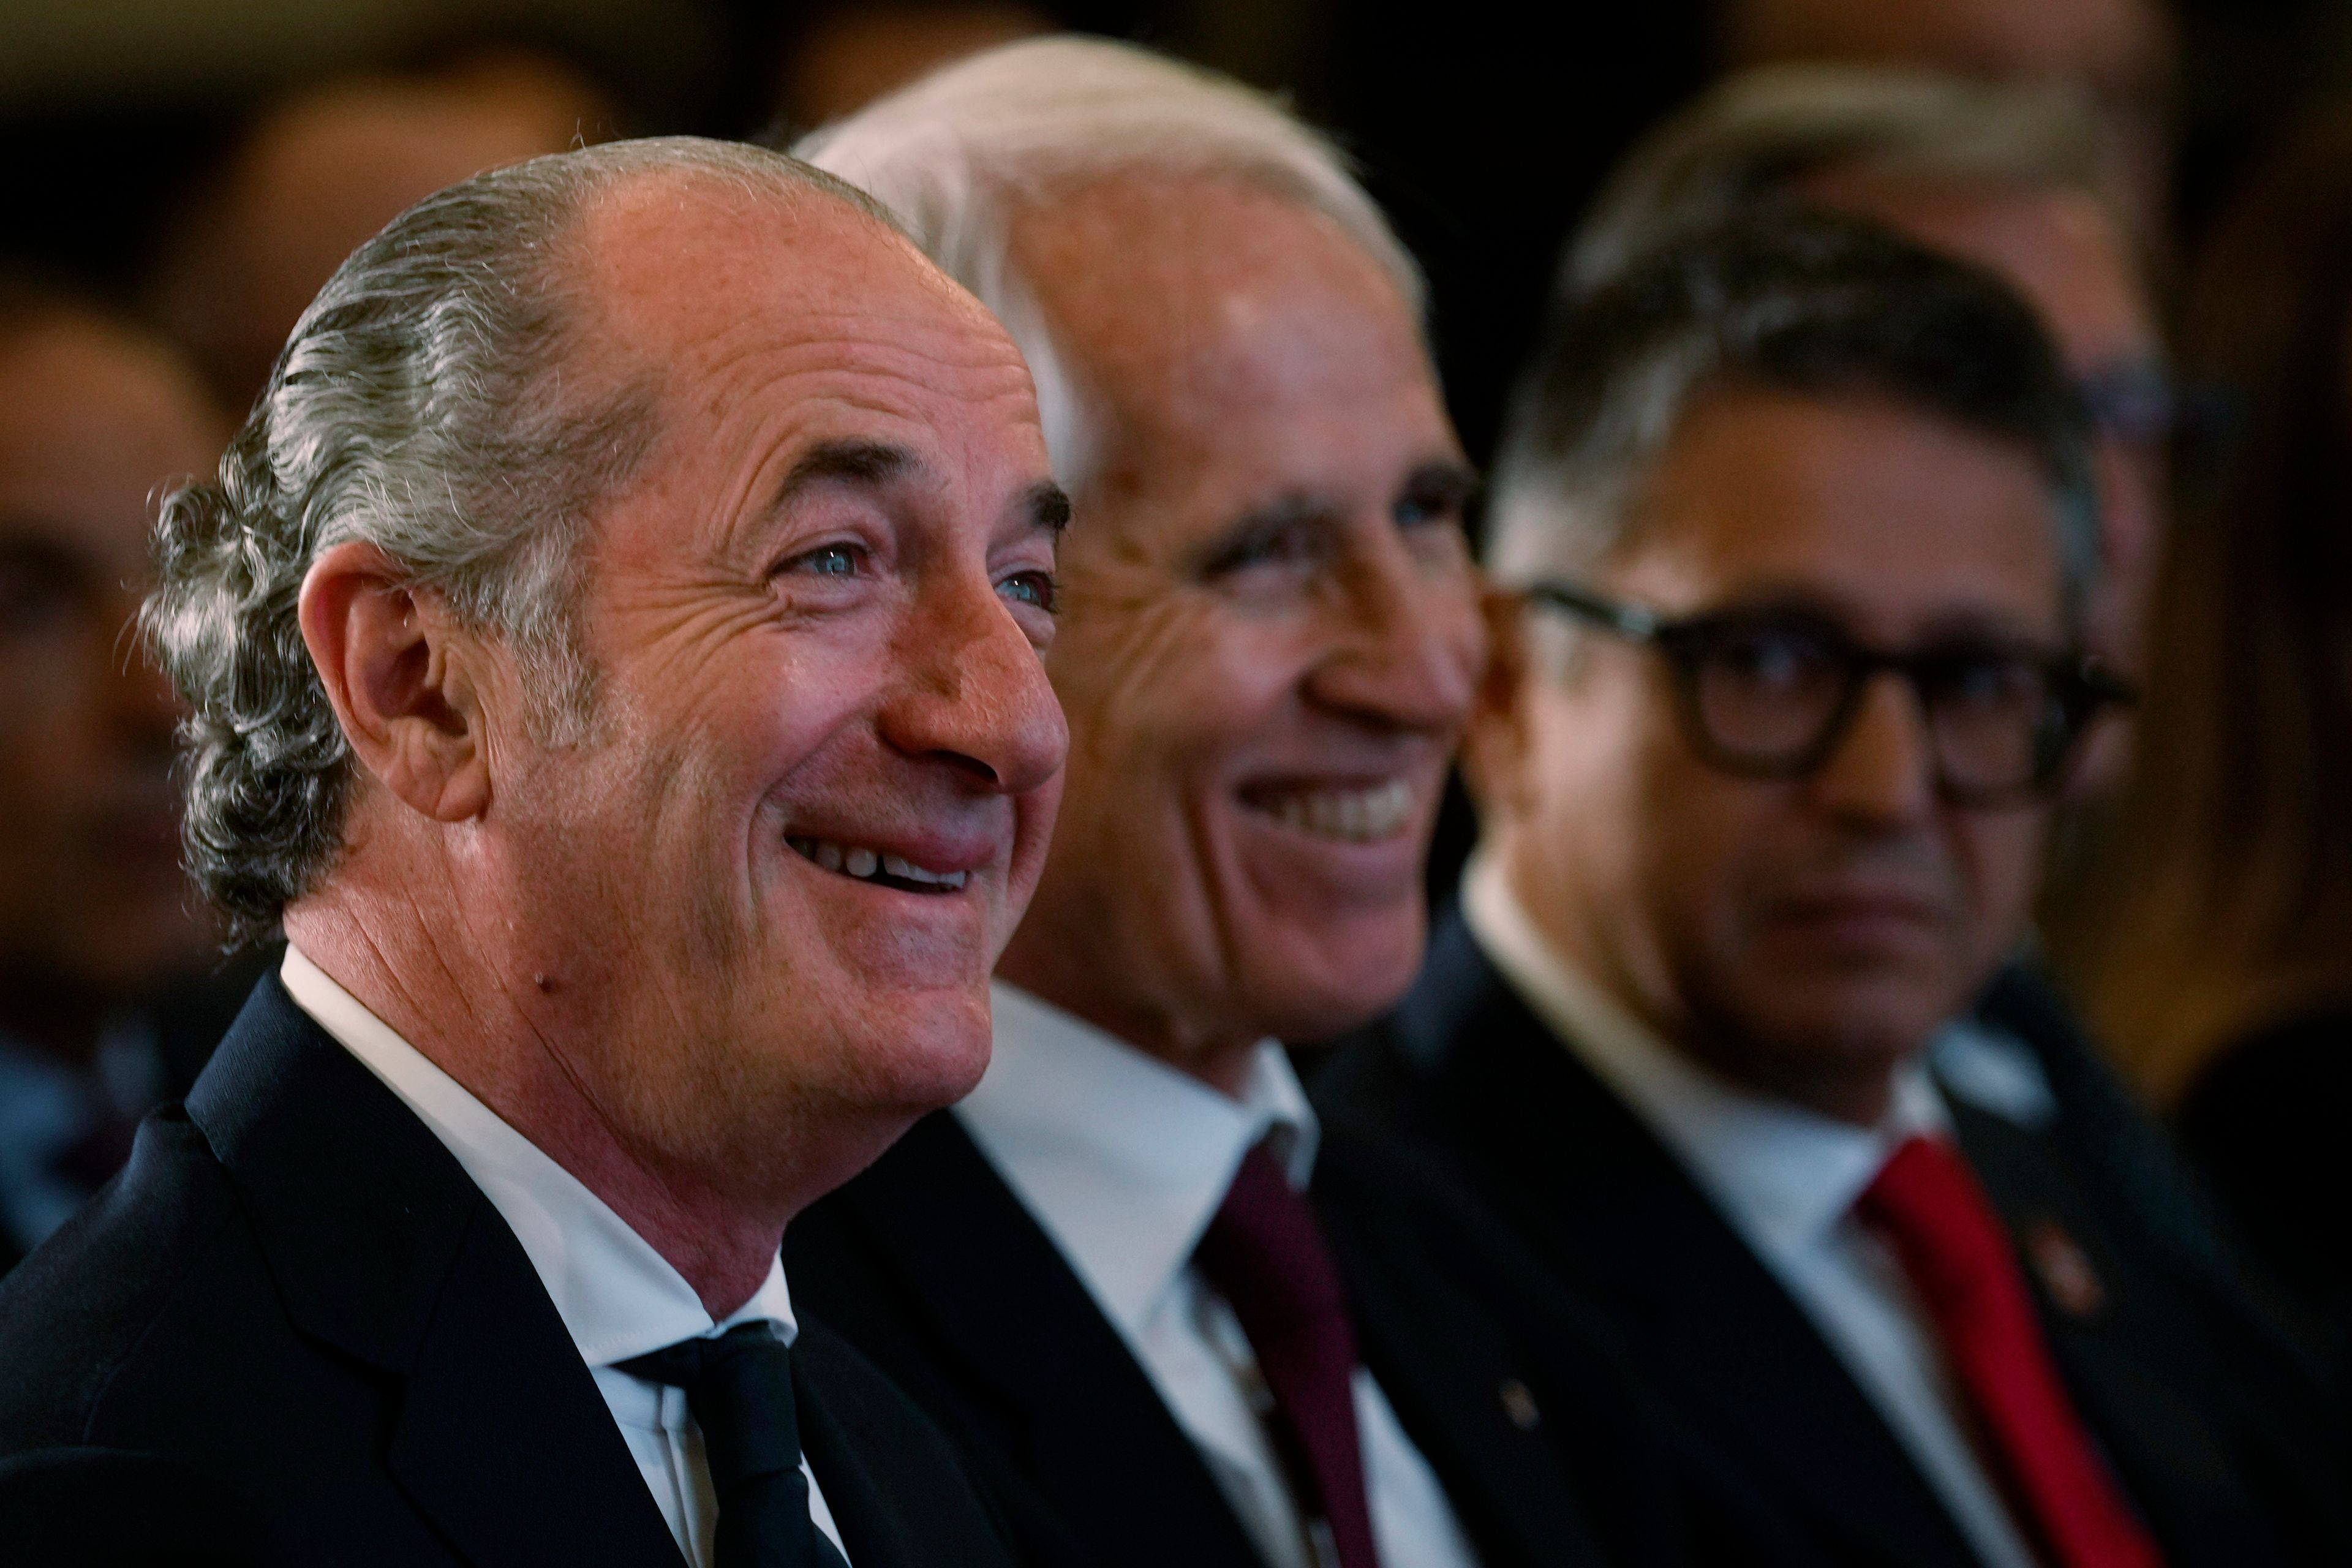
1363	815
854	860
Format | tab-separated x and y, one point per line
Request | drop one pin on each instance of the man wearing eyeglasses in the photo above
1795	526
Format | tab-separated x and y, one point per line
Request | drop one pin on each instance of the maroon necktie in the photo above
1926	1203
1265	1257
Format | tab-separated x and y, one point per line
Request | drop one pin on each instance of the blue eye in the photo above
827	560
1030	588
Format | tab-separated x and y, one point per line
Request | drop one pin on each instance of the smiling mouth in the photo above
1365	814
864	865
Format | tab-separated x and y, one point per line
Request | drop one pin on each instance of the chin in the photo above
933	1058
1859	1029
1333	986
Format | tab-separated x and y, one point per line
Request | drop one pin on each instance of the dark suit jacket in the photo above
294	1332
2203	1414
2264	1123
937	1271
188	1019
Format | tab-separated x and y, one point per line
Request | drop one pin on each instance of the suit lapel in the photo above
1462	1380
381	1247
1094	1435
1618	1220
869	1513
2109	1315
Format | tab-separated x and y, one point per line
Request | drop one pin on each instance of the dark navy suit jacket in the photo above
2206	1413
293	1331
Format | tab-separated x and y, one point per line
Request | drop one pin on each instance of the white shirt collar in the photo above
617	1296
1124	1158
1783	1174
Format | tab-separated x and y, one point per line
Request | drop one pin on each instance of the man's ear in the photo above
1495	746
400	672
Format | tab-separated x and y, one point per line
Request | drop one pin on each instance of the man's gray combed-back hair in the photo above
420	406
1759	134
1807	303
960	153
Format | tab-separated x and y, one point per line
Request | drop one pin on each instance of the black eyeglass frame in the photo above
2081	687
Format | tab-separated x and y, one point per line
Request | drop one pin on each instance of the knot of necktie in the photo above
739	1385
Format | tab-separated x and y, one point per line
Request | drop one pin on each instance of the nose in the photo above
975	694
1410	647
1882	774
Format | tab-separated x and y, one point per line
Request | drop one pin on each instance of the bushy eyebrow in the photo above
1316	518
1048	506
873	465
868	464
1449	481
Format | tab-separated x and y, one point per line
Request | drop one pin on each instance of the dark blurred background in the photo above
1484	126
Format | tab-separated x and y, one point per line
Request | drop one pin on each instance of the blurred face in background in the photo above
852	55
94	423
2121	54
2065	256
326	168
1799	935
1269	635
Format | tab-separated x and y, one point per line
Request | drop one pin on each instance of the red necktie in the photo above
1926	1203
1265	1257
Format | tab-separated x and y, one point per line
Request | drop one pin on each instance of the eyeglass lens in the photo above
1770	697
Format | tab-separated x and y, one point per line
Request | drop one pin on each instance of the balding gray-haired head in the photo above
960	152
426	403
1760	135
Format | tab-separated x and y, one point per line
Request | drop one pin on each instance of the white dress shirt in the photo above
1786	1179
617	1296
1125	1160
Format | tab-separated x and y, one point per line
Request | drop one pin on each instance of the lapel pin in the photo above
1518	1405
2064	1268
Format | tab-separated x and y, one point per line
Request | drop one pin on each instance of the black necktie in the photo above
739	1387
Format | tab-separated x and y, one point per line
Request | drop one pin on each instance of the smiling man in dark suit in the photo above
1796	526
614	650
1129	1272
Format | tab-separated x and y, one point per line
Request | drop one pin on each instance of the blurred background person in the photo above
324	168
2006	177
1799	524
2120	55
1429	96
2221	965
97	921
837	59
1174	1323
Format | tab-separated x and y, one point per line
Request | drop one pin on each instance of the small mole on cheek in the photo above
545	982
